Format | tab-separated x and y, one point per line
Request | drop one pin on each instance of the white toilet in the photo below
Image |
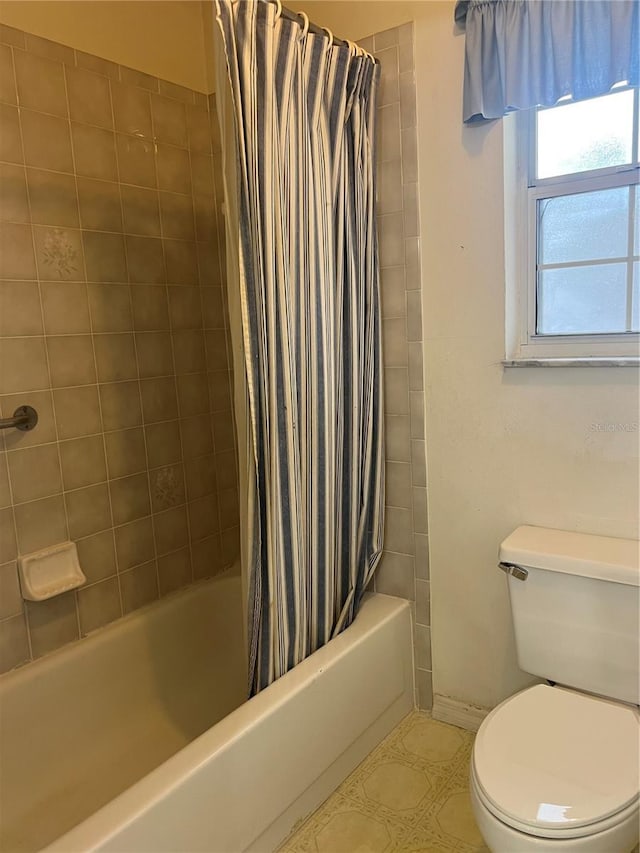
557	768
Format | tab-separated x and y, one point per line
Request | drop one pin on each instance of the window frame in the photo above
522	193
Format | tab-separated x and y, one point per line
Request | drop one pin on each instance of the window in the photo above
578	230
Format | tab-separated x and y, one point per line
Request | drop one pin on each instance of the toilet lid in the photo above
553	758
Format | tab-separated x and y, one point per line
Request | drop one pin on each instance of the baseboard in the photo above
458	713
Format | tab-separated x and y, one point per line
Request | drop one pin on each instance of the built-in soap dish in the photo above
50	572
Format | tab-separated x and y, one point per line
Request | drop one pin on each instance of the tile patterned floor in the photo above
410	795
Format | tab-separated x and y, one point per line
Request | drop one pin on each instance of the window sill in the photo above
590	361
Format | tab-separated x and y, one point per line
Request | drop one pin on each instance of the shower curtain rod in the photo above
314	28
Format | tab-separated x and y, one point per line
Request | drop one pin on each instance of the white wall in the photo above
505	447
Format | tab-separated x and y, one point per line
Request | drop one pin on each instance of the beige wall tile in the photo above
182	261
167	487
203	517
228	511
150	308
206	556
88	510
391	239
131	109
395	576
210	264
398	530
104	256
396	391
389	141
155	354
418	463
422	556
145	260
141	210
58	254
65	308
52	623
95	63
185	307
163	443
416	355
134	543
188	351
423	646
205	220
71	361
47	142
34	473
100	208
394	342
174	571
159	401
20	308
94	151
223	431
173	168
138	78
10	35
197	436
5	495
14	643
169	120
425	689
98	605
200	477
53	198
89	97
7	76
398	484
173	90
414	315
83	462
23	365
230	540
110	307
42	402
407	100
193	394
10	595
397	438
226	469
40	83
121	407
389	188
176	216
14	204
115	357
16	252
420	517
198	130
202	175
136	160
77	411
40	524
392	281
49	49
219	390
97	556
125	452
130	498
423	602
171	530
212	307
139	586
8	546
10	139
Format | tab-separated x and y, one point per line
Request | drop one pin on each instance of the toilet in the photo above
557	766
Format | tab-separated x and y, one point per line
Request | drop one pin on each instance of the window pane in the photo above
584	227
635	303
590	134
582	300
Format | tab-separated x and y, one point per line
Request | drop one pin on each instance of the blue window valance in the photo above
527	53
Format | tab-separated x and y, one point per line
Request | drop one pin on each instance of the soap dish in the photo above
50	572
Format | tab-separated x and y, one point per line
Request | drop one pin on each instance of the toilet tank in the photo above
576	609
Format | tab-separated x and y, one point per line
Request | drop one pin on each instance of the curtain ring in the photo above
278	8
305	29
329	34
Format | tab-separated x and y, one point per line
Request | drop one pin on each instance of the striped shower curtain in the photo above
309	294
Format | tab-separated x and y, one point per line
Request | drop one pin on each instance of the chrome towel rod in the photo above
24	418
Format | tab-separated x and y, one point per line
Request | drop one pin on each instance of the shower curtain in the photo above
299	197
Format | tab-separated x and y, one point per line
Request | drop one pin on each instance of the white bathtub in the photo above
139	739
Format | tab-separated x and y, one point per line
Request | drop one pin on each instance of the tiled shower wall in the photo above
404	569
113	326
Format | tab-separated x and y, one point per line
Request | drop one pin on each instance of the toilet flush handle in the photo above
516	571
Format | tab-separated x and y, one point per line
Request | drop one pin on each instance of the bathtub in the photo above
139	737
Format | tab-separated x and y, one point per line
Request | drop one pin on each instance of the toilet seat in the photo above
555	763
